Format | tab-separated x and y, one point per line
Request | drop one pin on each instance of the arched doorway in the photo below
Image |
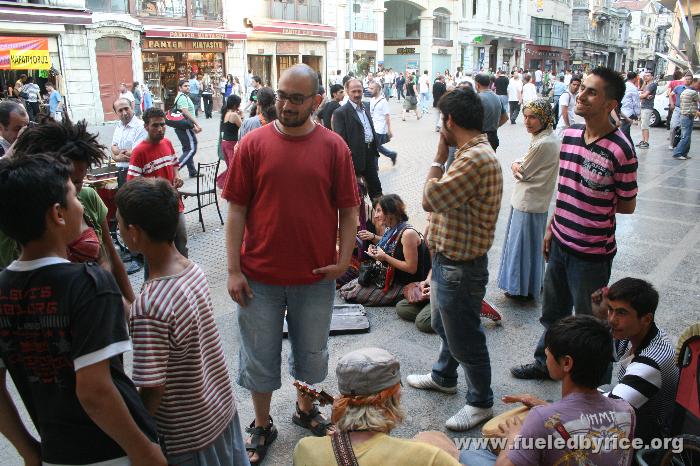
114	67
402	36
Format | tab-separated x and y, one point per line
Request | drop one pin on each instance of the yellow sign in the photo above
30	60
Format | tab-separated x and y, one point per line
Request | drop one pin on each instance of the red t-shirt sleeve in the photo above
345	192
239	180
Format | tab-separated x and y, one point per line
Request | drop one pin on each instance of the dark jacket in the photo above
439	90
348	125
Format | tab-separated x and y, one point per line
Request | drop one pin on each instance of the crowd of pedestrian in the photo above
69	312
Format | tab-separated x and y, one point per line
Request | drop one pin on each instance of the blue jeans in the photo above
309	309
473	456
456	291
569	282
424	99
381	140
683	146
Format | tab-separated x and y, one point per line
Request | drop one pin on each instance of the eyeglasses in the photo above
296	99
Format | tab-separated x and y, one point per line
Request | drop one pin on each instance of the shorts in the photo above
645	118
227	448
309	309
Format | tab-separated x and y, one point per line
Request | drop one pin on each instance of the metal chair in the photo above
206	190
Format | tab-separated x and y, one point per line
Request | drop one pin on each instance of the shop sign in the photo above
442	51
406	51
24	53
287	48
183	45
196	35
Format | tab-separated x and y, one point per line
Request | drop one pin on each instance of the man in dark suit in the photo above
353	123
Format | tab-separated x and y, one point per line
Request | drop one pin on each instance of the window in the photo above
464	8
474	2
164	8
441	23
207	9
362	17
296	10
549	32
500	11
108	6
401	21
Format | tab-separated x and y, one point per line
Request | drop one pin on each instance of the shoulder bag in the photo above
342	449
176	119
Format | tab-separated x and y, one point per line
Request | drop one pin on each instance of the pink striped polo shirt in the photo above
591	180
176	344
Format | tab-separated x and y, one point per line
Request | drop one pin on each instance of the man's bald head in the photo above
304	73
352	80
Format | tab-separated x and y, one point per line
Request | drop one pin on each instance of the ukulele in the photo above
324	398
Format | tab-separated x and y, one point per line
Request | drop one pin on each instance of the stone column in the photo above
499	55
379	18
426	43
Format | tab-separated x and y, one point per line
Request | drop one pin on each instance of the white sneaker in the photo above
468	417
426	382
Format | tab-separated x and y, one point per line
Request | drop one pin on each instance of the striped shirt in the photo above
592	178
465	202
689	102
154	161
176	344
647	381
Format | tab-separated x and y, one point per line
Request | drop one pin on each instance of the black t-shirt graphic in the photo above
56	318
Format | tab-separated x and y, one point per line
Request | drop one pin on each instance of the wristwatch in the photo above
441	166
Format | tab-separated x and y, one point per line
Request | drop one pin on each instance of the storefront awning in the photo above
192	33
291	28
30	13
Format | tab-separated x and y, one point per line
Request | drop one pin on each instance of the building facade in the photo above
683	36
641	44
550	24
493	34
598	35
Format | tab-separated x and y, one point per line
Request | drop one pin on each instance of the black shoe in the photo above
393	159
534	371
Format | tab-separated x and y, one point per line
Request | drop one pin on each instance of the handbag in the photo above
412	99
370	273
176	119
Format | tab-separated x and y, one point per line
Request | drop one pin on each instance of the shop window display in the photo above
164	8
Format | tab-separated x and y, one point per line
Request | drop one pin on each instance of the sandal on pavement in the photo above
268	434
313	420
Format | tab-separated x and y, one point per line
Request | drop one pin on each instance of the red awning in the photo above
192	33
29	13
293	28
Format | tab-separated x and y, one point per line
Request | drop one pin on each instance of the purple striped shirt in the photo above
591	179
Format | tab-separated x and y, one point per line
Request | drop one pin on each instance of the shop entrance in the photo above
261	65
313	61
113	68
286	61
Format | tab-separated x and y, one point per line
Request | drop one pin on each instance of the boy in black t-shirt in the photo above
62	331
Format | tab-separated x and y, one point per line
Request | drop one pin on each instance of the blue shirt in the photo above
365	121
54	100
559	88
194	86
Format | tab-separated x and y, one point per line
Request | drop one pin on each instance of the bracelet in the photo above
441	166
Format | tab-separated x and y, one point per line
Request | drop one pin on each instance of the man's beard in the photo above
296	120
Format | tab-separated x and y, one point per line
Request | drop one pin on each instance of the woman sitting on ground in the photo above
400	249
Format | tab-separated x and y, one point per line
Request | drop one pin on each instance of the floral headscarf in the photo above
543	111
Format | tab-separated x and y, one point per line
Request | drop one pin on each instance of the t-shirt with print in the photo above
177	344
589	416
293	188
57	318
592	179
154	161
648	103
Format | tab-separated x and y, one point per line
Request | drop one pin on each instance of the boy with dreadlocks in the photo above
81	148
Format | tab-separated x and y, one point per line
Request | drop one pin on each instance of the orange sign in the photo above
24	53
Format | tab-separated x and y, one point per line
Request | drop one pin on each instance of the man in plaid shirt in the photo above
464	203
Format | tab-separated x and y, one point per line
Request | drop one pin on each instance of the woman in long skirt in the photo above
522	263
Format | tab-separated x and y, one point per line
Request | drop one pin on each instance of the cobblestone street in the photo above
659	242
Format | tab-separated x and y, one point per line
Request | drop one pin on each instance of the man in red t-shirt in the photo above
155	158
291	188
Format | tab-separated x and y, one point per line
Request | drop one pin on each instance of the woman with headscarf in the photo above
522	263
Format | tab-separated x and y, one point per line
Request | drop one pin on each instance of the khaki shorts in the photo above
645	118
